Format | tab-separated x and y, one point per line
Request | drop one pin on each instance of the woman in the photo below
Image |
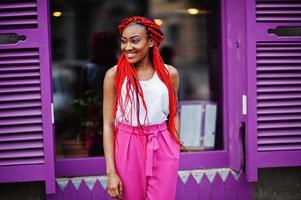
141	140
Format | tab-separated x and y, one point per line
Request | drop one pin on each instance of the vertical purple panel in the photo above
180	190
231	188
217	188
46	92
205	189
251	124
192	189
70	192
98	192
245	189
83	192
234	74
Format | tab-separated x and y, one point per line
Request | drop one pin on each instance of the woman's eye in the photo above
135	40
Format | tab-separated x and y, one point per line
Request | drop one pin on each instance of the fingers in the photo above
114	192
120	189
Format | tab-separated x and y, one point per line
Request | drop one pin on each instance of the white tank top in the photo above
157	102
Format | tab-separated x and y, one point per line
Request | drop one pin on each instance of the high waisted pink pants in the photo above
147	162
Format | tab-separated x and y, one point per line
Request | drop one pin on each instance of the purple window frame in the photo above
230	156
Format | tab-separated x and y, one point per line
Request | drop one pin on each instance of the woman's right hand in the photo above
114	186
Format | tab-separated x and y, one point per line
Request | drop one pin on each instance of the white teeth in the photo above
129	55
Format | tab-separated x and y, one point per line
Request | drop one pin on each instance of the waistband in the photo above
143	129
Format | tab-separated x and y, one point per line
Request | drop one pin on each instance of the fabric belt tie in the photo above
151	132
151	147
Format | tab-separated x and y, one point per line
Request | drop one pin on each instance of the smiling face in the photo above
135	44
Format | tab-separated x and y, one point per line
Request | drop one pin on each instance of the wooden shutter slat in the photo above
18	5
32	61
20	89
280	132
279	5
278	12
21	161
279	82
262	118
21	129
278	75
19	121
18	22
279	147
279	68
280	19
278	103
261	96
21	153
20	82
277	44
19	75
20	137
17	69
272	89
262	55
279	61
25	13
278	140
21	145
278	49
22	112
25	104
278	110
20	54
276	125
20	97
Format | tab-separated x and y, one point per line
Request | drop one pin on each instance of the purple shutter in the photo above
26	132
274	85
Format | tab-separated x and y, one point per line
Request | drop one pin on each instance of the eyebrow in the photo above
130	37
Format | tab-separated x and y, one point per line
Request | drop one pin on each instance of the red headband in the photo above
153	29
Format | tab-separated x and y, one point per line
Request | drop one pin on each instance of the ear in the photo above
151	43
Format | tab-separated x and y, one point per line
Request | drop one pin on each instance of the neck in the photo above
144	64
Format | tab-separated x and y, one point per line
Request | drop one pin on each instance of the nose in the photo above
127	46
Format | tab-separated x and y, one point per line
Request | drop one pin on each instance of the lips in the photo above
130	55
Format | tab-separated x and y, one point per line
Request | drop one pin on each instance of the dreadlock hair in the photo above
127	71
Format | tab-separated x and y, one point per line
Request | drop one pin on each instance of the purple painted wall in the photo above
211	184
26	132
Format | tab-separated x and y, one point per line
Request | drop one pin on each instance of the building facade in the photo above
252	70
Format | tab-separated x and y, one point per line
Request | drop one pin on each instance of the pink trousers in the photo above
147	162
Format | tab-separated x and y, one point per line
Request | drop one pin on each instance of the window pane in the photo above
85	44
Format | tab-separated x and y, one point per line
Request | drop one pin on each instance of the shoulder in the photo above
173	72
174	76
110	74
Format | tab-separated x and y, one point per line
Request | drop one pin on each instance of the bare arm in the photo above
174	75
108	120
114	185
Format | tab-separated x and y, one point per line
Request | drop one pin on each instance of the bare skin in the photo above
135	45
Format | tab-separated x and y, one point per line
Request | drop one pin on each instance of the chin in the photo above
132	62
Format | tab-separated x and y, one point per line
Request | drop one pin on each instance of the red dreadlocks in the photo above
126	70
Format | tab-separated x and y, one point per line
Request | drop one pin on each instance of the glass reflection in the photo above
80	58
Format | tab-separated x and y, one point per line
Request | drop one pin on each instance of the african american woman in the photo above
141	140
